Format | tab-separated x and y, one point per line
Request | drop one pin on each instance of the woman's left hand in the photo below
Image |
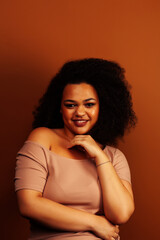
88	143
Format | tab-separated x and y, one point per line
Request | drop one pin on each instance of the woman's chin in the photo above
80	131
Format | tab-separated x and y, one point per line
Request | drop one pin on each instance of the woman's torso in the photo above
65	176
72	181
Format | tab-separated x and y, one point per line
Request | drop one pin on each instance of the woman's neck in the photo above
63	133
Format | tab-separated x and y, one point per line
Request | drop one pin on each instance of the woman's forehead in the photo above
79	91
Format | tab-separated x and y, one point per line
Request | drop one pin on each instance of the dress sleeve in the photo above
31	167
120	163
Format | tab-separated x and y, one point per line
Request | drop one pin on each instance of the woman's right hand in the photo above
104	229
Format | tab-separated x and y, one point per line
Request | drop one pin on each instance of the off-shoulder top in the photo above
71	182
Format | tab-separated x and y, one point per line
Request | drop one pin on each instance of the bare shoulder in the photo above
42	135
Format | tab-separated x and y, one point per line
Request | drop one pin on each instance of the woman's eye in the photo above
70	105
89	104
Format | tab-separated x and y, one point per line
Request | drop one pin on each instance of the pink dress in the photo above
71	182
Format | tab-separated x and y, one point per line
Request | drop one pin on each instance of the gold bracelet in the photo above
102	163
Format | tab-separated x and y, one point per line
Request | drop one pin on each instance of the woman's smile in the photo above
80	123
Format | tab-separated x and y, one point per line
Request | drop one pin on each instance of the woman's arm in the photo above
117	194
33	205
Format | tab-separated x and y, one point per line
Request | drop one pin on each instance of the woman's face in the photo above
79	108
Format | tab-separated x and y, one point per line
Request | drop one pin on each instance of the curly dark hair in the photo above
116	113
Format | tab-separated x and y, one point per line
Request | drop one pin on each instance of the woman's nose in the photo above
80	111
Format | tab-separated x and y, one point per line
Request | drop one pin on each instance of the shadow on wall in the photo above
23	84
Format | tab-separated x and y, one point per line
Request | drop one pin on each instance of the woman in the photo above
70	182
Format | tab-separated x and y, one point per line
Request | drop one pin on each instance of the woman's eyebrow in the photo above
89	99
86	100
69	100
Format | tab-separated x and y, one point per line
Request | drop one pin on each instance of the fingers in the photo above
117	229
82	137
79	140
115	236
75	142
86	142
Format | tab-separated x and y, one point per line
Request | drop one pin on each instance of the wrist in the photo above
93	223
101	158
103	163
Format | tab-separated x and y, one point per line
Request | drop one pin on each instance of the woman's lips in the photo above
80	123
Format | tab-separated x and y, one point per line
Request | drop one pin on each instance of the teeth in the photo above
80	121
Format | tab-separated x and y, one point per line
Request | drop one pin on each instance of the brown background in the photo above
37	37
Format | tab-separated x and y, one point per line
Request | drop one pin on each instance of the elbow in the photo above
27	201
24	210
122	215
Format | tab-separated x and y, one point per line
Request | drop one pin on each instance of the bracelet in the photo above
102	163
